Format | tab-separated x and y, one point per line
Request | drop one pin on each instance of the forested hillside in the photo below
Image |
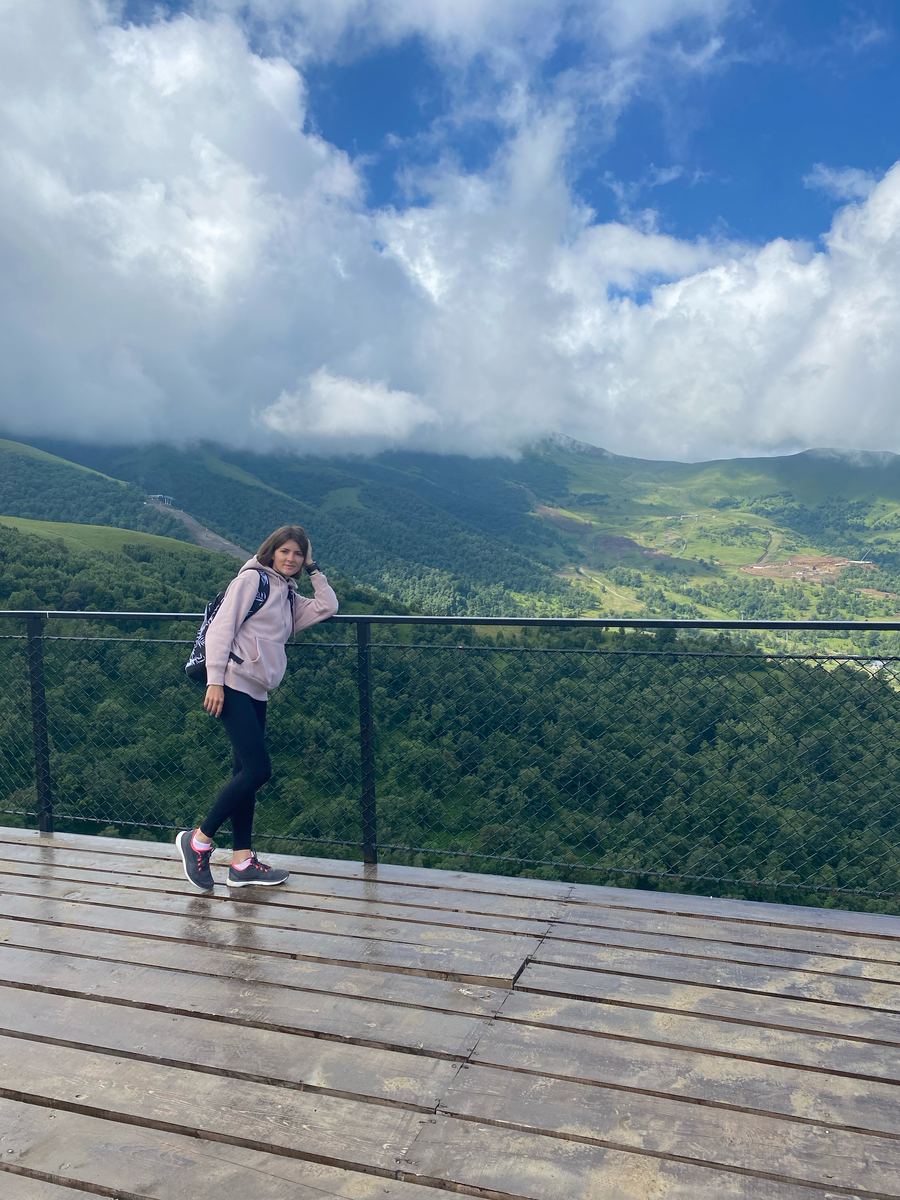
564	530
462	540
143	576
42	488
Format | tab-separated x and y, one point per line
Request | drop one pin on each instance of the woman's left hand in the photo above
309	555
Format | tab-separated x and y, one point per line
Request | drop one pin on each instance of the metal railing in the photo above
649	752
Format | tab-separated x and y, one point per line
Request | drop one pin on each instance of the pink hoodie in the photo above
260	640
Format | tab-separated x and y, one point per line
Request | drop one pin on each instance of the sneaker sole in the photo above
255	882
199	887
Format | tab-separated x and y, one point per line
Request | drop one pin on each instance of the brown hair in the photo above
286	533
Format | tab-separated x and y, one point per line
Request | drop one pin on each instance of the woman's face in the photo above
288	558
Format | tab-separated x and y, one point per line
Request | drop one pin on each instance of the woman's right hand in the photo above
214	701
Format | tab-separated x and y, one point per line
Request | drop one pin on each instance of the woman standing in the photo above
245	659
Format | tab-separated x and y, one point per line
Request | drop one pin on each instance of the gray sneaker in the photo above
257	874
196	862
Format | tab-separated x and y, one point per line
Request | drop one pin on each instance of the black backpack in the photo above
195	667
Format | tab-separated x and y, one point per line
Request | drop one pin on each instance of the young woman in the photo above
245	659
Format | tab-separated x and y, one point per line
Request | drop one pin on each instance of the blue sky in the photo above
803	82
668	227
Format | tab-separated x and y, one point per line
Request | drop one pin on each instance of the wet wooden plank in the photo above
757	912
322	886
502	885
818	1155
521	1164
169	1166
720	1079
762	1043
338	1017
744	933
725	951
417	991
346	1133
172	881
834	989
191	922
779	1012
267	909
264	1055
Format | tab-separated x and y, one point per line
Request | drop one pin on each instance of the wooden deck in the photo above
395	1033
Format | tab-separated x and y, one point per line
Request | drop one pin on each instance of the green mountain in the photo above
565	529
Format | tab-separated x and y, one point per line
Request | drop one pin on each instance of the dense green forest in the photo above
724	772
42	573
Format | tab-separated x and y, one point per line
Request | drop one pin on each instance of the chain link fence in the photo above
664	758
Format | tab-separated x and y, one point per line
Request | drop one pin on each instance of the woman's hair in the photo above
287	533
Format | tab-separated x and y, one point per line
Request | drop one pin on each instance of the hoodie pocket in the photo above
267	665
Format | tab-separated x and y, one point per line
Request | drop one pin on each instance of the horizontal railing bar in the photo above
535	622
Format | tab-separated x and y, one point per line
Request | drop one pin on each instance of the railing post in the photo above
35	627
366	742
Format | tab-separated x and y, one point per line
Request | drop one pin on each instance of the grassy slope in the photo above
93	538
675	511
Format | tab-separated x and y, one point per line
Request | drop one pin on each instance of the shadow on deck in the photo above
392	1032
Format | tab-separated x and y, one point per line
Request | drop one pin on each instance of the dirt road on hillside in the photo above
202	536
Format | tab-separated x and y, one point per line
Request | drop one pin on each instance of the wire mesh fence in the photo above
579	752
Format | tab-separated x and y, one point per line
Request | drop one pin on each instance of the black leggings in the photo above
245	722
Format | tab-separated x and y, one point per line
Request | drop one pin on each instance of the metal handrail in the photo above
541	622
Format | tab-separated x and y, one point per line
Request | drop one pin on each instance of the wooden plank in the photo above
757	912
267	910
342	1018
353	1136
778	1012
762	1043
818	1155
744	933
264	1055
795	916
171	880
196	927
417	991
127	1159
508	1163
833	989
22	1187
359	890
723	951
719	1079
347	1133
503	885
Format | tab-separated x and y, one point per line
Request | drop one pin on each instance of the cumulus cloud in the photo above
187	258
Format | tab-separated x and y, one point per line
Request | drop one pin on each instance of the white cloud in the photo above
334	406
849	183
181	250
